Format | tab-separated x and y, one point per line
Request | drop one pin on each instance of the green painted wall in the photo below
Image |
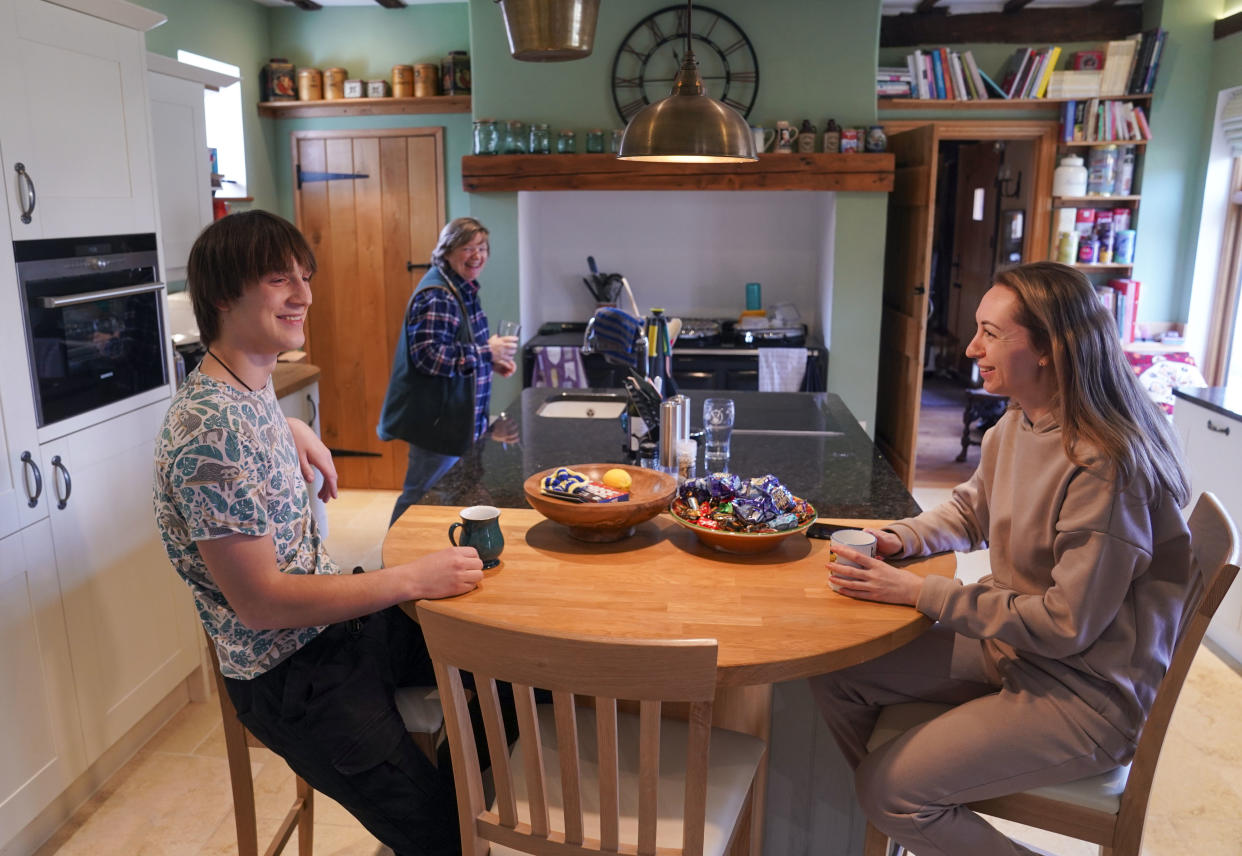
816	60
1226	64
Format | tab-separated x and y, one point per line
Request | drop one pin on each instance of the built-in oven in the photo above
93	320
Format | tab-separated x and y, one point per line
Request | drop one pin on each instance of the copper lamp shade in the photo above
689	126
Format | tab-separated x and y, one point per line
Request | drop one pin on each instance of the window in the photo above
224	123
1233	283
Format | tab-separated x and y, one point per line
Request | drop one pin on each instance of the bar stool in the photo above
983	409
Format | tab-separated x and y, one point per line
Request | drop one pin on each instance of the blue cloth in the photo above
431	328
615	333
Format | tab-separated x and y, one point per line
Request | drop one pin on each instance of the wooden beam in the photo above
1227	26
392	4
1015	6
860	172
1029	26
1101	3
305	5
926	6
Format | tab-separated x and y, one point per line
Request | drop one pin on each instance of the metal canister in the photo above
674	413
402	81
455	73
377	88
334	83
310	84
276	80
425	80
355	89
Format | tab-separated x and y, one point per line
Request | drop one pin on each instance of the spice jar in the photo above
486	137
540	139
514	142
1070	177
595	141
310	84
426	80
276	80
334	83
402	81
565	142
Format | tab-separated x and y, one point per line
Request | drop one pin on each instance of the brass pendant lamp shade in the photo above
689	126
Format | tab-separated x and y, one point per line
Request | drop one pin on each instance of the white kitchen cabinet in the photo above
1212	443
20	504
182	162
133	634
41	739
74	134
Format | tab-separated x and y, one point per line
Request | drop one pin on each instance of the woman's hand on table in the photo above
444	573
874	580
886	543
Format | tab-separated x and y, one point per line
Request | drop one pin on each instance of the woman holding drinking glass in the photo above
438	347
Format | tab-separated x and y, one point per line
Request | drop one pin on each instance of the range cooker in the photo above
708	354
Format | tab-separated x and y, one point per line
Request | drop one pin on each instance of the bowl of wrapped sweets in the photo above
739	515
600	502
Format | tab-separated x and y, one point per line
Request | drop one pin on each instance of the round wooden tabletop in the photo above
773	614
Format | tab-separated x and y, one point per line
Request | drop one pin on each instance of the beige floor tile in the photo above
187	730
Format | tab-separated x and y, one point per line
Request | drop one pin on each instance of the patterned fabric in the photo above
226	464
1160	374
434	348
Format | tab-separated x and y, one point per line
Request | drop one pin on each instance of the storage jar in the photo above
455	73
355	89
1070	177
1101	171
310	84
276	80
595	141
426	80
540	139
377	88
402	81
1125	172
514	142
486	137
565	143
334	83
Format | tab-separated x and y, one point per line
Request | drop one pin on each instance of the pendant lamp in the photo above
689	126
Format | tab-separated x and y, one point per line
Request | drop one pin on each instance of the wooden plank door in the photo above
907	267
376	212
974	241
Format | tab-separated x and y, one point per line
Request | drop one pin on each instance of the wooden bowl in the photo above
600	522
741	542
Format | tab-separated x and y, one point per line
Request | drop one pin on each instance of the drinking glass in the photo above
509	328
717	429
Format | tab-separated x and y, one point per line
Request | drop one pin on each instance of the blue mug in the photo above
480	529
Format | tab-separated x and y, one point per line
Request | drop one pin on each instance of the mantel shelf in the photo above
884	104
844	172
364	107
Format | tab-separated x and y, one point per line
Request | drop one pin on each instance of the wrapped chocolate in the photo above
729	503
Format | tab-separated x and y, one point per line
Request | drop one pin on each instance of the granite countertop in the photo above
810	441
1225	400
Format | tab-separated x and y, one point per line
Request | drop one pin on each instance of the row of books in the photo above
893	82
1096	120
945	75
1028	70
1120	297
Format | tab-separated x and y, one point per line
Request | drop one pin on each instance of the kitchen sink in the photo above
583	405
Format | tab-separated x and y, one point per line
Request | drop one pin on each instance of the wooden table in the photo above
772	614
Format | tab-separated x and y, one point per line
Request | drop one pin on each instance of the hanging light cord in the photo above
229	370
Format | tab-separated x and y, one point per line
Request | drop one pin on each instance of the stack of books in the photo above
1028	71
1120	298
894	82
1141	79
945	75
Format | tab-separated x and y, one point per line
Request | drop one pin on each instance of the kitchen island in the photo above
810	441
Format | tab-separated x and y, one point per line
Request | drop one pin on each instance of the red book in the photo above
950	92
1127	308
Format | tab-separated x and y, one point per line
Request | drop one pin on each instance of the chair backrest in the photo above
1214	541
650	672
236	743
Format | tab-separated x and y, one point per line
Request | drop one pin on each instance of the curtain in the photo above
1231	122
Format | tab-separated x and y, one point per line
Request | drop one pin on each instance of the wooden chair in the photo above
1108	809
618	772
420	711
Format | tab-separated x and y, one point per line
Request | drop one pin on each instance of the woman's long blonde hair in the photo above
1099	399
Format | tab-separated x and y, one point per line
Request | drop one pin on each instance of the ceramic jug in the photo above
786	135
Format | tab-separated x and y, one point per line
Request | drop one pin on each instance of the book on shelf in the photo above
1108	297
959	79
950	91
1054	53
976	76
1012	69
1073	84
1118	59
937	75
1126	308
1142	78
993	85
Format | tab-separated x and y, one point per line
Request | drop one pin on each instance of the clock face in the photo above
650	56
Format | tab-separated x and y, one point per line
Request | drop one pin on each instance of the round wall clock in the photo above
651	54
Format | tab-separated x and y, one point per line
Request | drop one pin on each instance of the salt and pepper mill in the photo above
674	430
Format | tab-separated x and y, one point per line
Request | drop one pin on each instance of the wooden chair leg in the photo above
426	744
306	821
876	842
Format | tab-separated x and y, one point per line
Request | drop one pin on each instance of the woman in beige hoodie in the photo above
1054	658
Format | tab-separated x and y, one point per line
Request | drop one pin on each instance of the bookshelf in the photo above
1007	104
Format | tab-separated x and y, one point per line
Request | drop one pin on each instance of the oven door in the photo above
93	340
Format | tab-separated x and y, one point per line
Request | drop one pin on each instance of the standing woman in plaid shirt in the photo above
435	349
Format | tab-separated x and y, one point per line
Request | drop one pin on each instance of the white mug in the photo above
856	539
763	137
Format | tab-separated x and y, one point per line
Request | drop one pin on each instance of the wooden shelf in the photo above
992	103
846	172
1066	201
364	107
1090	268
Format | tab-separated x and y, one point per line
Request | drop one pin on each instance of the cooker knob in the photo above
95	262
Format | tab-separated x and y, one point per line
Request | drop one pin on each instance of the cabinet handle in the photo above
310	399
1219	429
32	499
63	500
24	177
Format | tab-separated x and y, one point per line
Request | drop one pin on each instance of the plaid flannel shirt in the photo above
435	348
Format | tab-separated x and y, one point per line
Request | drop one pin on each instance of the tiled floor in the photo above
173	797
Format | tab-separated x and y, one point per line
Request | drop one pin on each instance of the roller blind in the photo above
1231	122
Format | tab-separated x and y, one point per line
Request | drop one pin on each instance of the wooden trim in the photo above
364	107
1028	26
1225	296
1227	26
846	172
